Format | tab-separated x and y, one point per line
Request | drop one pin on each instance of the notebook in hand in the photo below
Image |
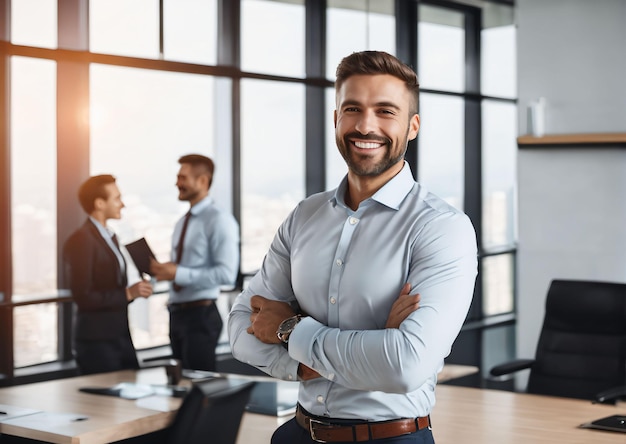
614	423
141	253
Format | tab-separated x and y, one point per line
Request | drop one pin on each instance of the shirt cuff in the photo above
183	276
302	338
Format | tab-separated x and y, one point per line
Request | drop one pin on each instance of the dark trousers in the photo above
291	433
194	333
105	356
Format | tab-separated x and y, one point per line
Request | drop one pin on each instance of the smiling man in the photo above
365	287
96	274
204	257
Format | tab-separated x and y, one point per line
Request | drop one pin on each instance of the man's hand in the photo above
163	271
266	317
402	307
141	289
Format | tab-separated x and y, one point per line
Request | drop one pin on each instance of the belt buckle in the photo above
312	432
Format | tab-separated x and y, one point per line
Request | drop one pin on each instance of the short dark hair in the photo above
379	62
202	164
92	189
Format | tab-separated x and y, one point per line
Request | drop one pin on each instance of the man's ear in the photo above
205	181
98	203
414	126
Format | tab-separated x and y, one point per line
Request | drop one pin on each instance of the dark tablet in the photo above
614	423
141	253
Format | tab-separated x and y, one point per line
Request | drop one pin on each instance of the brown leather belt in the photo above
193	304
322	431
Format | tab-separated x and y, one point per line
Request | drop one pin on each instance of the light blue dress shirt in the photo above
345	269
210	254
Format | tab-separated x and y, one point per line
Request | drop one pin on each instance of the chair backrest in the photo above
582	344
211	412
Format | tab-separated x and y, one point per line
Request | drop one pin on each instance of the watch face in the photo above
288	324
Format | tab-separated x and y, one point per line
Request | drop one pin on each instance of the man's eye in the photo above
351	110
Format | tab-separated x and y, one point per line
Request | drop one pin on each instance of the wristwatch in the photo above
286	327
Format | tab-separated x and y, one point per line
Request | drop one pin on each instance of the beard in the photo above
361	164
186	194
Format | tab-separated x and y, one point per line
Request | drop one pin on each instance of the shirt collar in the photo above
391	194
200	206
104	231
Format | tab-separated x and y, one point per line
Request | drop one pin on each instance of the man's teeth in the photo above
367	145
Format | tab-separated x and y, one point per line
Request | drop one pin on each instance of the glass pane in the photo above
34	23
35	334
335	165
499	167
142	121
498	52
122	27
497	278
441	49
371	26
149	321
268	48
441	147
272	162
190	31
498	346
33	155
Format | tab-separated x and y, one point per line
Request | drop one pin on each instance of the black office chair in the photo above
213	408
581	351
210	413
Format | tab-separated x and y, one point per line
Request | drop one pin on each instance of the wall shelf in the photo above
588	139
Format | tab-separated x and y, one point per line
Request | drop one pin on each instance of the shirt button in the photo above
290	377
320	399
353	221
331	376
339	262
333	300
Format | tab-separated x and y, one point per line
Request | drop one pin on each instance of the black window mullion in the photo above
407	19
229	54
73	150
473	141
315	110
6	312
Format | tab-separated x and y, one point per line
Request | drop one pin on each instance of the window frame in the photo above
73	60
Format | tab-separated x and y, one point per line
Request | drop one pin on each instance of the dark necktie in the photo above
181	241
115	241
123	263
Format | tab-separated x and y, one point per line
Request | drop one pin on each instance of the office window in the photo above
268	48
34	23
190	31
498	43
122	27
499	346
272	169
441	147
441	61
371	26
499	130
33	177
144	114
35	338
497	279
142	121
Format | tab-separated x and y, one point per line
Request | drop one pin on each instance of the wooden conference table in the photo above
462	415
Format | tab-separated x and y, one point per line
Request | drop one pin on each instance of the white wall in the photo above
572	201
